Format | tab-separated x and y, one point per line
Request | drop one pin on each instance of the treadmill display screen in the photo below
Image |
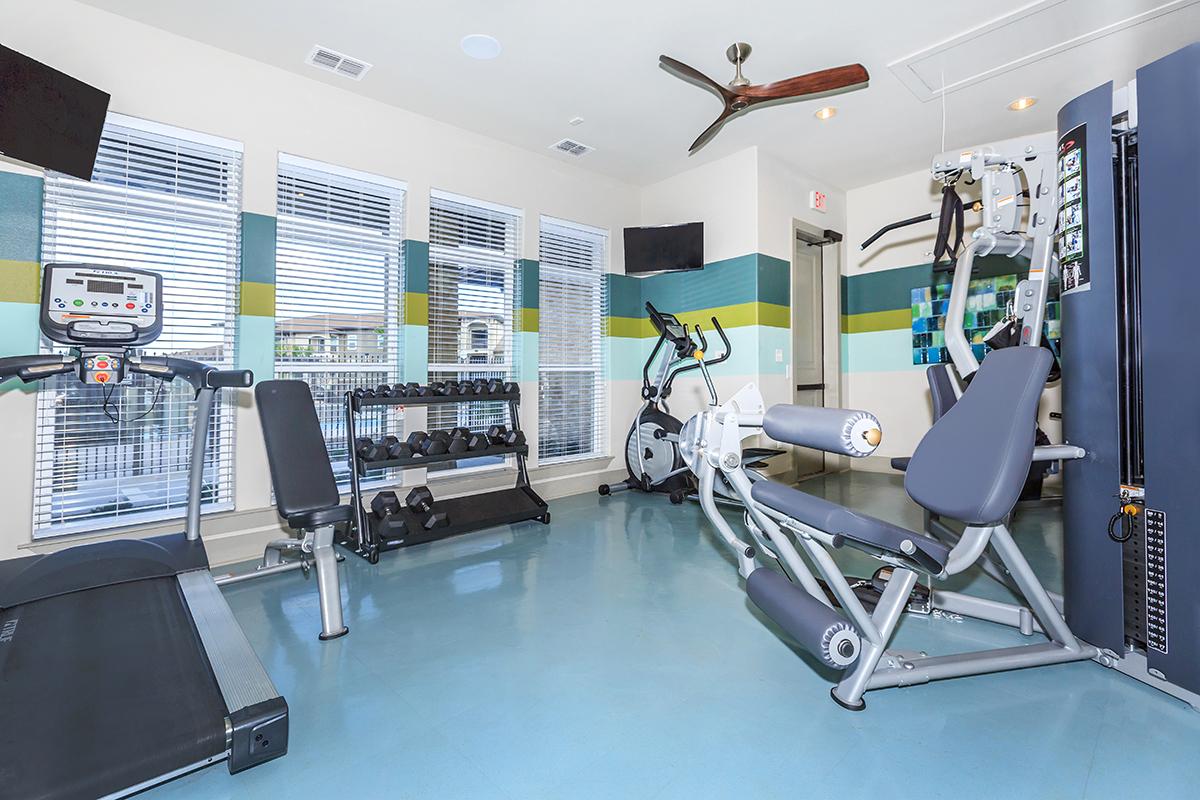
106	287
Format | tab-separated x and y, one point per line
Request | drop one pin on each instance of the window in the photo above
474	285
339	281
572	422
167	200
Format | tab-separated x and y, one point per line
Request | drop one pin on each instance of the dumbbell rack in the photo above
469	513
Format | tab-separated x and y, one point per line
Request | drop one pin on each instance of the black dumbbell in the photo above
478	441
512	388
368	450
495	386
458	441
364	394
438	444
496	434
416	438
423	391
466	388
481	386
438	519
388	440
385	504
410	389
399	450
383	390
419	500
514	438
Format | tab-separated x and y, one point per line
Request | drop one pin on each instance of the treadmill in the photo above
121	664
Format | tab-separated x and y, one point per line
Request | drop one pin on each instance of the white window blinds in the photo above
572	422
166	200
339	285
474	289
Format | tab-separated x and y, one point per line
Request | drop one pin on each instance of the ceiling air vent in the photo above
571	147
333	61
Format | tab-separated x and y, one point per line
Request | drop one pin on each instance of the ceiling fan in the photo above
741	95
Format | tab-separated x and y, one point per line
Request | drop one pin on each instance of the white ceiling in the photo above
598	60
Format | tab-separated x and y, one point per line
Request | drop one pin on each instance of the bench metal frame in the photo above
712	442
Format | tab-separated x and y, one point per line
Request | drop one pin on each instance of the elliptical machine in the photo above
652	455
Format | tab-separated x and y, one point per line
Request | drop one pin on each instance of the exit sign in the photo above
816	201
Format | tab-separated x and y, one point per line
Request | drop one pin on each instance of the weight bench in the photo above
306	494
970	466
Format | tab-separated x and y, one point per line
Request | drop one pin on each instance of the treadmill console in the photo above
103	311
87	305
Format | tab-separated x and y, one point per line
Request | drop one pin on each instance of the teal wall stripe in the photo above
416	266
258	248
774	280
624	296
256	346
770	340
885	290
878	351
18	329
721	283
416	354
890	289
528	344
20	217
530	275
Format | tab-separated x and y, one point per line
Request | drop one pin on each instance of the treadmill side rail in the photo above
239	673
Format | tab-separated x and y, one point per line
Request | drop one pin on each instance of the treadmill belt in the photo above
103	690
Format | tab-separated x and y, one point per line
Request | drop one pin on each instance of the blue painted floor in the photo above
613	654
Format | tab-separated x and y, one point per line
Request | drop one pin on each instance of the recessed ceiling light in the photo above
575	121
828	112
480	45
1022	103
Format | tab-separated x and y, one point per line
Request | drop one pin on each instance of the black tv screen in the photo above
664	248
48	118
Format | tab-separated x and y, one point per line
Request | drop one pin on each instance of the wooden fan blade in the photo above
693	75
826	81
711	130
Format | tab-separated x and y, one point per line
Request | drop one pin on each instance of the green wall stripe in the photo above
529	320
20	217
416	266
877	321
257	299
416	308
530	288
258	249
20	281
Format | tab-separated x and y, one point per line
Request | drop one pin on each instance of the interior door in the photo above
808	368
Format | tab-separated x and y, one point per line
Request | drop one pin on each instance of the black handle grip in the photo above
34	368
891	226
724	340
229	378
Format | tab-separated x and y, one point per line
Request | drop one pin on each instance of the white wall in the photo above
177	81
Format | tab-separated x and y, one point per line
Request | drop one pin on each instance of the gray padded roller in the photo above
834	430
815	626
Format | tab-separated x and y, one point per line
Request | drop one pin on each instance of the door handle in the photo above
809	387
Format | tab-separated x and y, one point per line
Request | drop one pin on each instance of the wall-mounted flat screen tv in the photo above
663	248
48	118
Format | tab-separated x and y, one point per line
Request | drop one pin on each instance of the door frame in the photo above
832	253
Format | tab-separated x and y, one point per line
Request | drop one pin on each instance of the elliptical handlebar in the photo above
698	361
